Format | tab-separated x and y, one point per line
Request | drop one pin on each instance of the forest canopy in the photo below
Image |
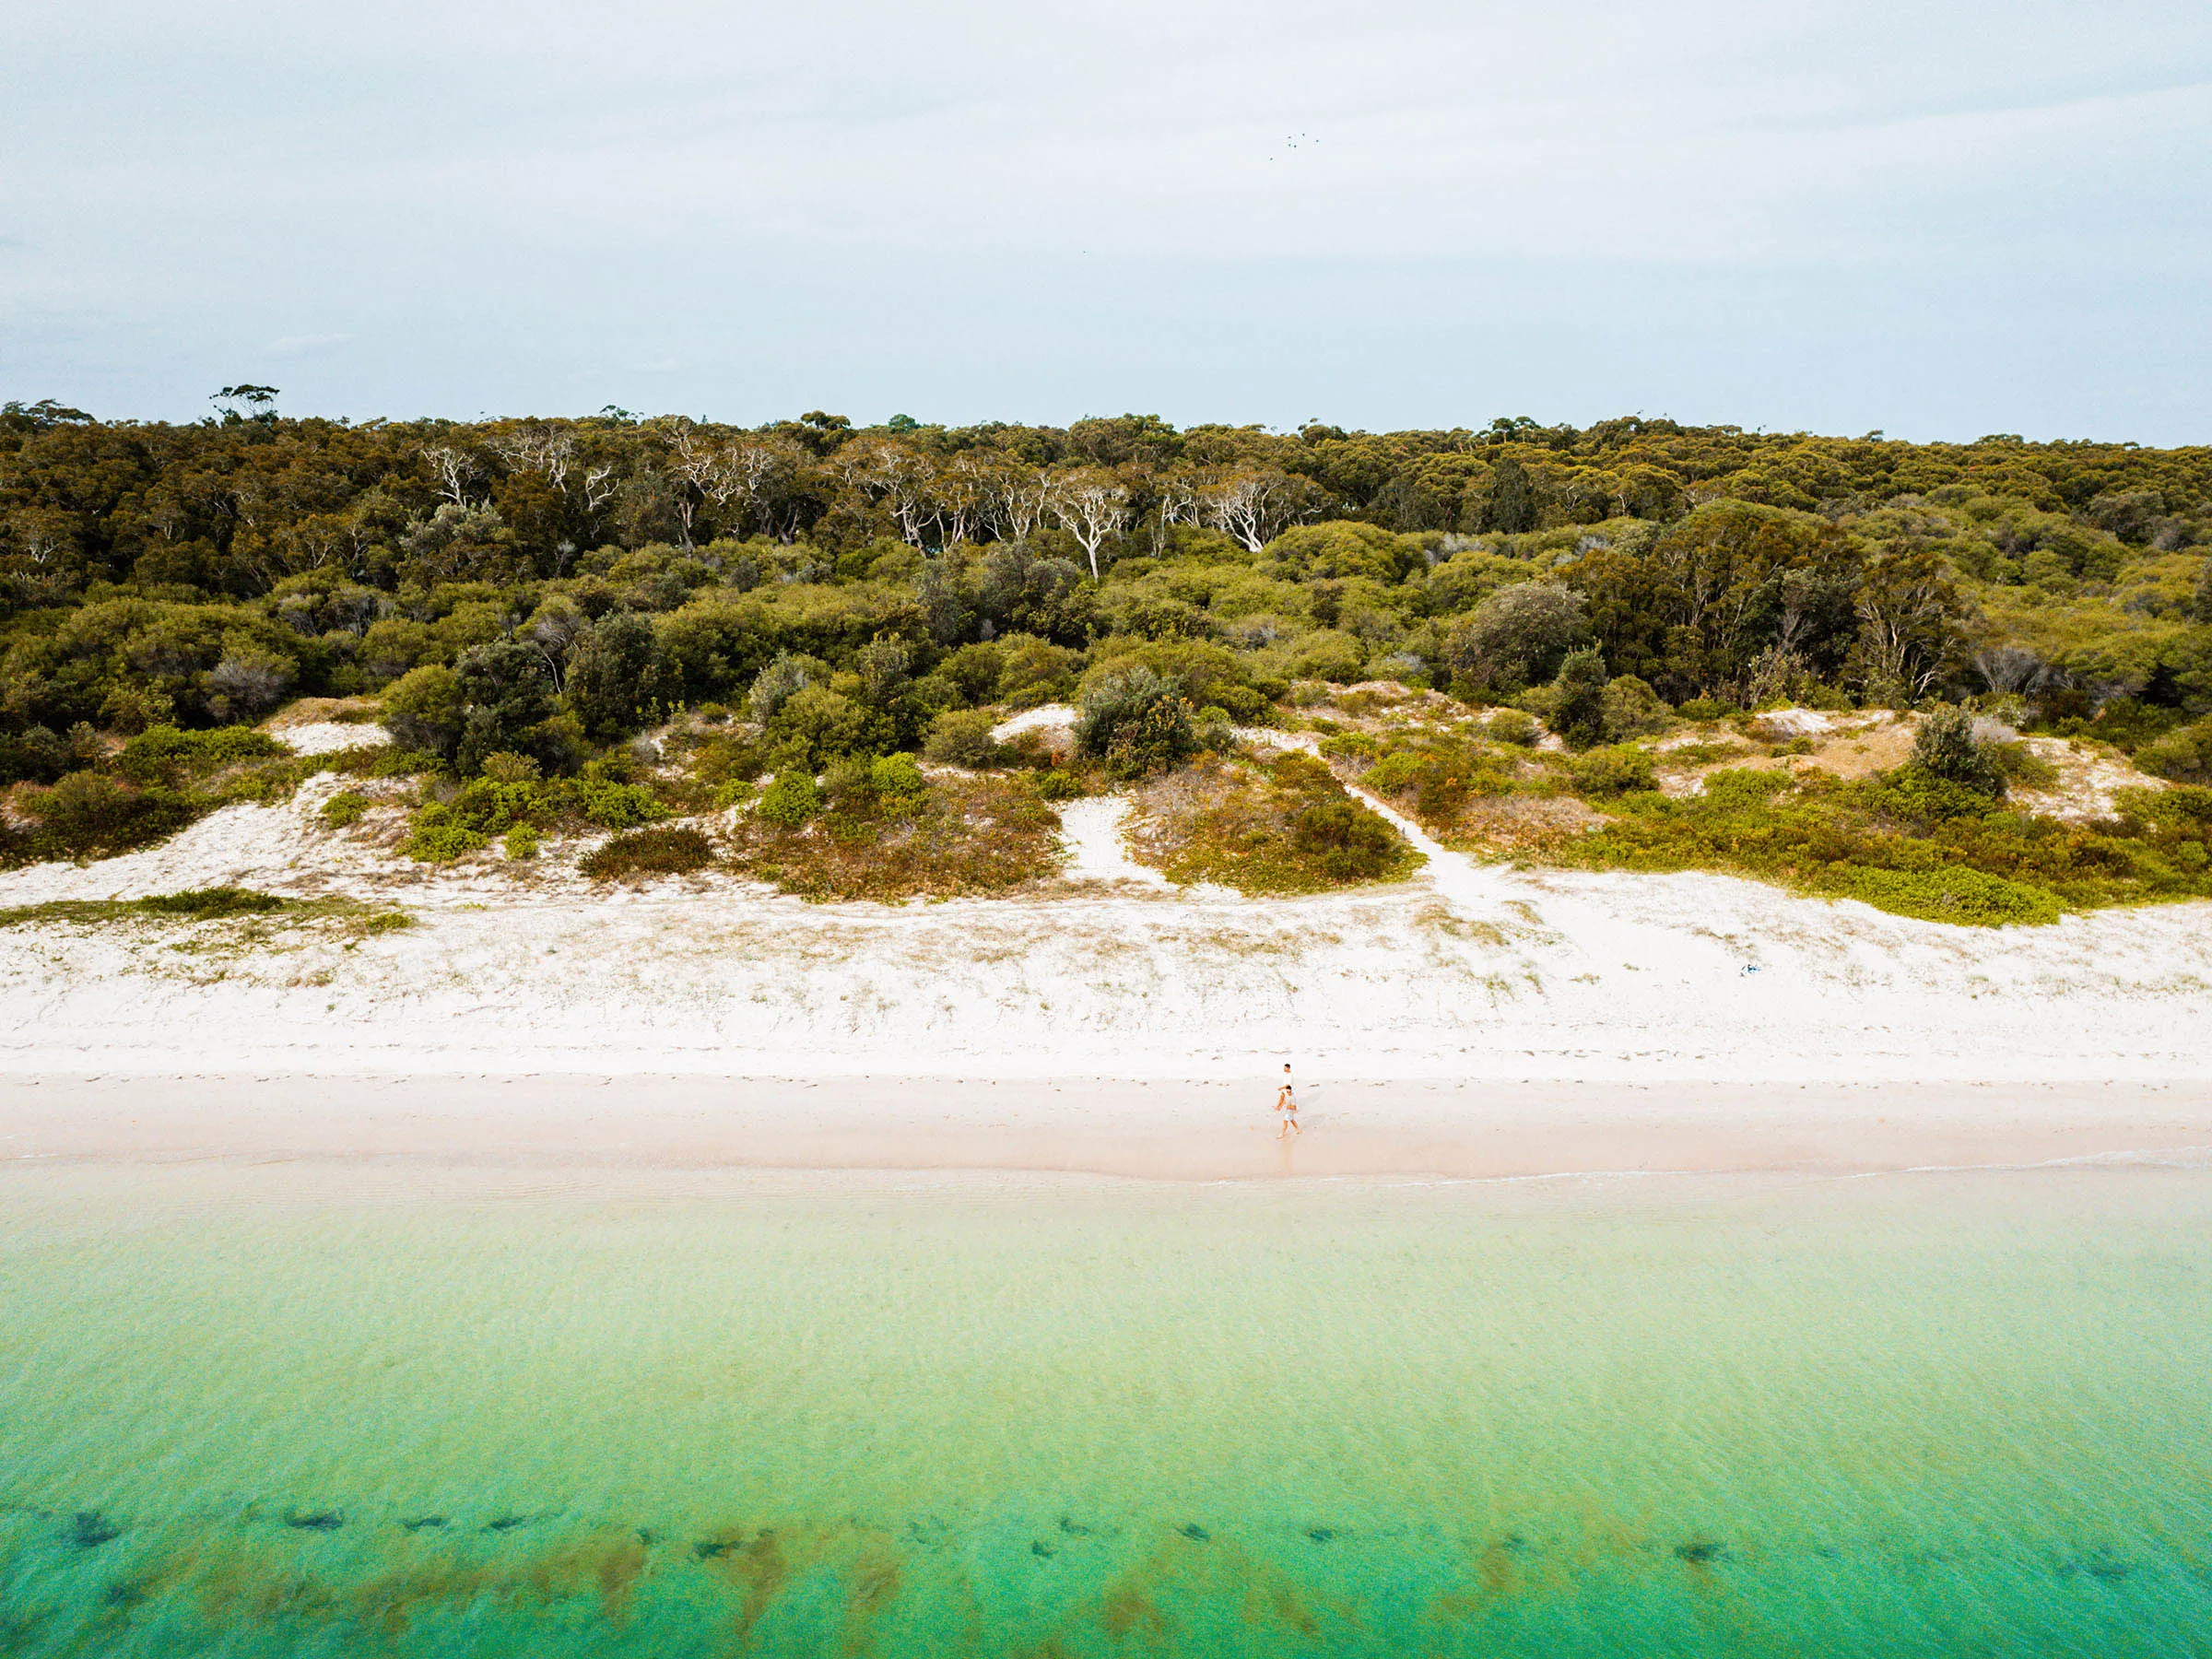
544	586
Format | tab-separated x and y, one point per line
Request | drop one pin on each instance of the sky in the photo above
1937	219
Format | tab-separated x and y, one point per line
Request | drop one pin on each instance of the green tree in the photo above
1517	636
507	702
614	675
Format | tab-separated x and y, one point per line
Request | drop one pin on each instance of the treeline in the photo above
579	578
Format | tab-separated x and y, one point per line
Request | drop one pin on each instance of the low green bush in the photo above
897	775
344	808
726	759
486	808
790	801
521	843
975	834
2183	754
203	903
1347	841
1913	843
1516	727
382	761
613	806
1288	828
439	836
1953	893
1631	709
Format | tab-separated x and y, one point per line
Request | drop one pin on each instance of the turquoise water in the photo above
418	1410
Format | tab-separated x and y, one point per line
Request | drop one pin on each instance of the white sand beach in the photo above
1463	984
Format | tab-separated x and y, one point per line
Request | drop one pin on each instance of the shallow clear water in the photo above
428	1411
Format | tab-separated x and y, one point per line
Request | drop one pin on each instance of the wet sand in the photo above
1159	1130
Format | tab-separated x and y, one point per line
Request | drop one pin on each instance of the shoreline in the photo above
1176	1130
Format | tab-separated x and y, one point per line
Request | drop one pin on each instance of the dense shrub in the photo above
1612	771
487	807
1137	722
1347	841
2183	754
783	679
165	755
439	836
722	761
1632	708
497	698
609	805
1912	842
1953	893
506	767
423	711
820	725
344	808
36	754
1514	725
1946	748
88	815
669	850
962	737
962	835
615	675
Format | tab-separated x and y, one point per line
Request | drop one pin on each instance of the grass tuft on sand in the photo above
207	904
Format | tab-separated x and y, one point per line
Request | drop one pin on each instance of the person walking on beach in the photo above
1286	1103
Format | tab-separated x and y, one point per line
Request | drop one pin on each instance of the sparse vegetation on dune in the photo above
1280	828
1941	829
869	832
674	850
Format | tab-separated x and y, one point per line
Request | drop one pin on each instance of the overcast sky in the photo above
1937	218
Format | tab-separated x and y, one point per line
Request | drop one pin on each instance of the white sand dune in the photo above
1465	971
